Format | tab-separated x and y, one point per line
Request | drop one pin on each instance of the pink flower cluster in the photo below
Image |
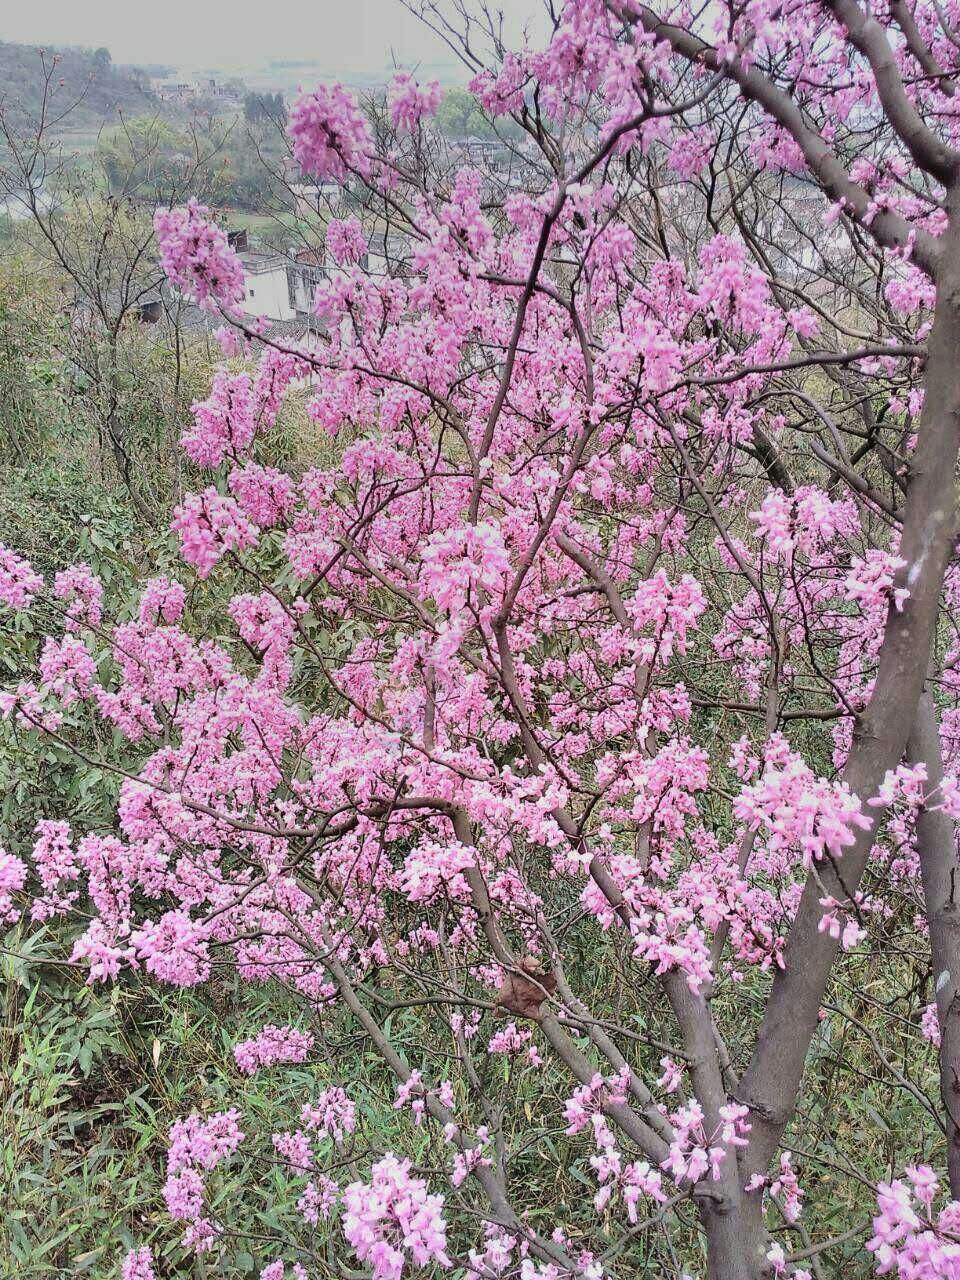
209	526
57	868
333	1115
433	868
175	948
272	1045
784	1187
197	258
345	240
224	423
162	600
18	581
330	133
138	1265
795	808
277	1271
410	102
513	1040
197	1146
464	565
392	1219
67	668
83	590
694	1152
589	1099
909	1237
13	876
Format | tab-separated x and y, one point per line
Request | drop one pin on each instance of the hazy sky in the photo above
360	36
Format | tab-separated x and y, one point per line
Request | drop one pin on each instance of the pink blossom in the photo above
203	1143
81	587
209	526
909	1237
224	423
392	1219
333	1115
174	948
162	601
197	258
18	582
330	134
56	866
410	102
138	1264
345	240
13	876
320	1197
272	1045
930	1025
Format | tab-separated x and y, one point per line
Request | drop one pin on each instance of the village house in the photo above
266	286
175	91
188	91
315	198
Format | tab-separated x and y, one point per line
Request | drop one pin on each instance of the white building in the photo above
388	255
315	198
175	91
266	286
282	286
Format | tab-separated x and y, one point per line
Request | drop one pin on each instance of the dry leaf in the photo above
523	990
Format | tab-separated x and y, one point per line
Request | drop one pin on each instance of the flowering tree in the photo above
585	740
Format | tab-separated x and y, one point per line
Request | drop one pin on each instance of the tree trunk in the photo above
736	1239
770	1084
936	845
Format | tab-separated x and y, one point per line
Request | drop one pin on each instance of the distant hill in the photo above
86	77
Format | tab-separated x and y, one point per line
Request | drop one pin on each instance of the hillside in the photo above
85	77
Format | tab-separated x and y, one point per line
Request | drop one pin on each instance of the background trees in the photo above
263	108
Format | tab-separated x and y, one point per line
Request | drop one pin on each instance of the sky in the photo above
362	37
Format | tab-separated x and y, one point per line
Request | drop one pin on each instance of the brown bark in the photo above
888	228
773	1075
939	872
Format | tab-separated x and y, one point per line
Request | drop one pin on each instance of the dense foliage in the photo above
238	166
556	779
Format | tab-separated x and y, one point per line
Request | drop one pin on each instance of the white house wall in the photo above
265	293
